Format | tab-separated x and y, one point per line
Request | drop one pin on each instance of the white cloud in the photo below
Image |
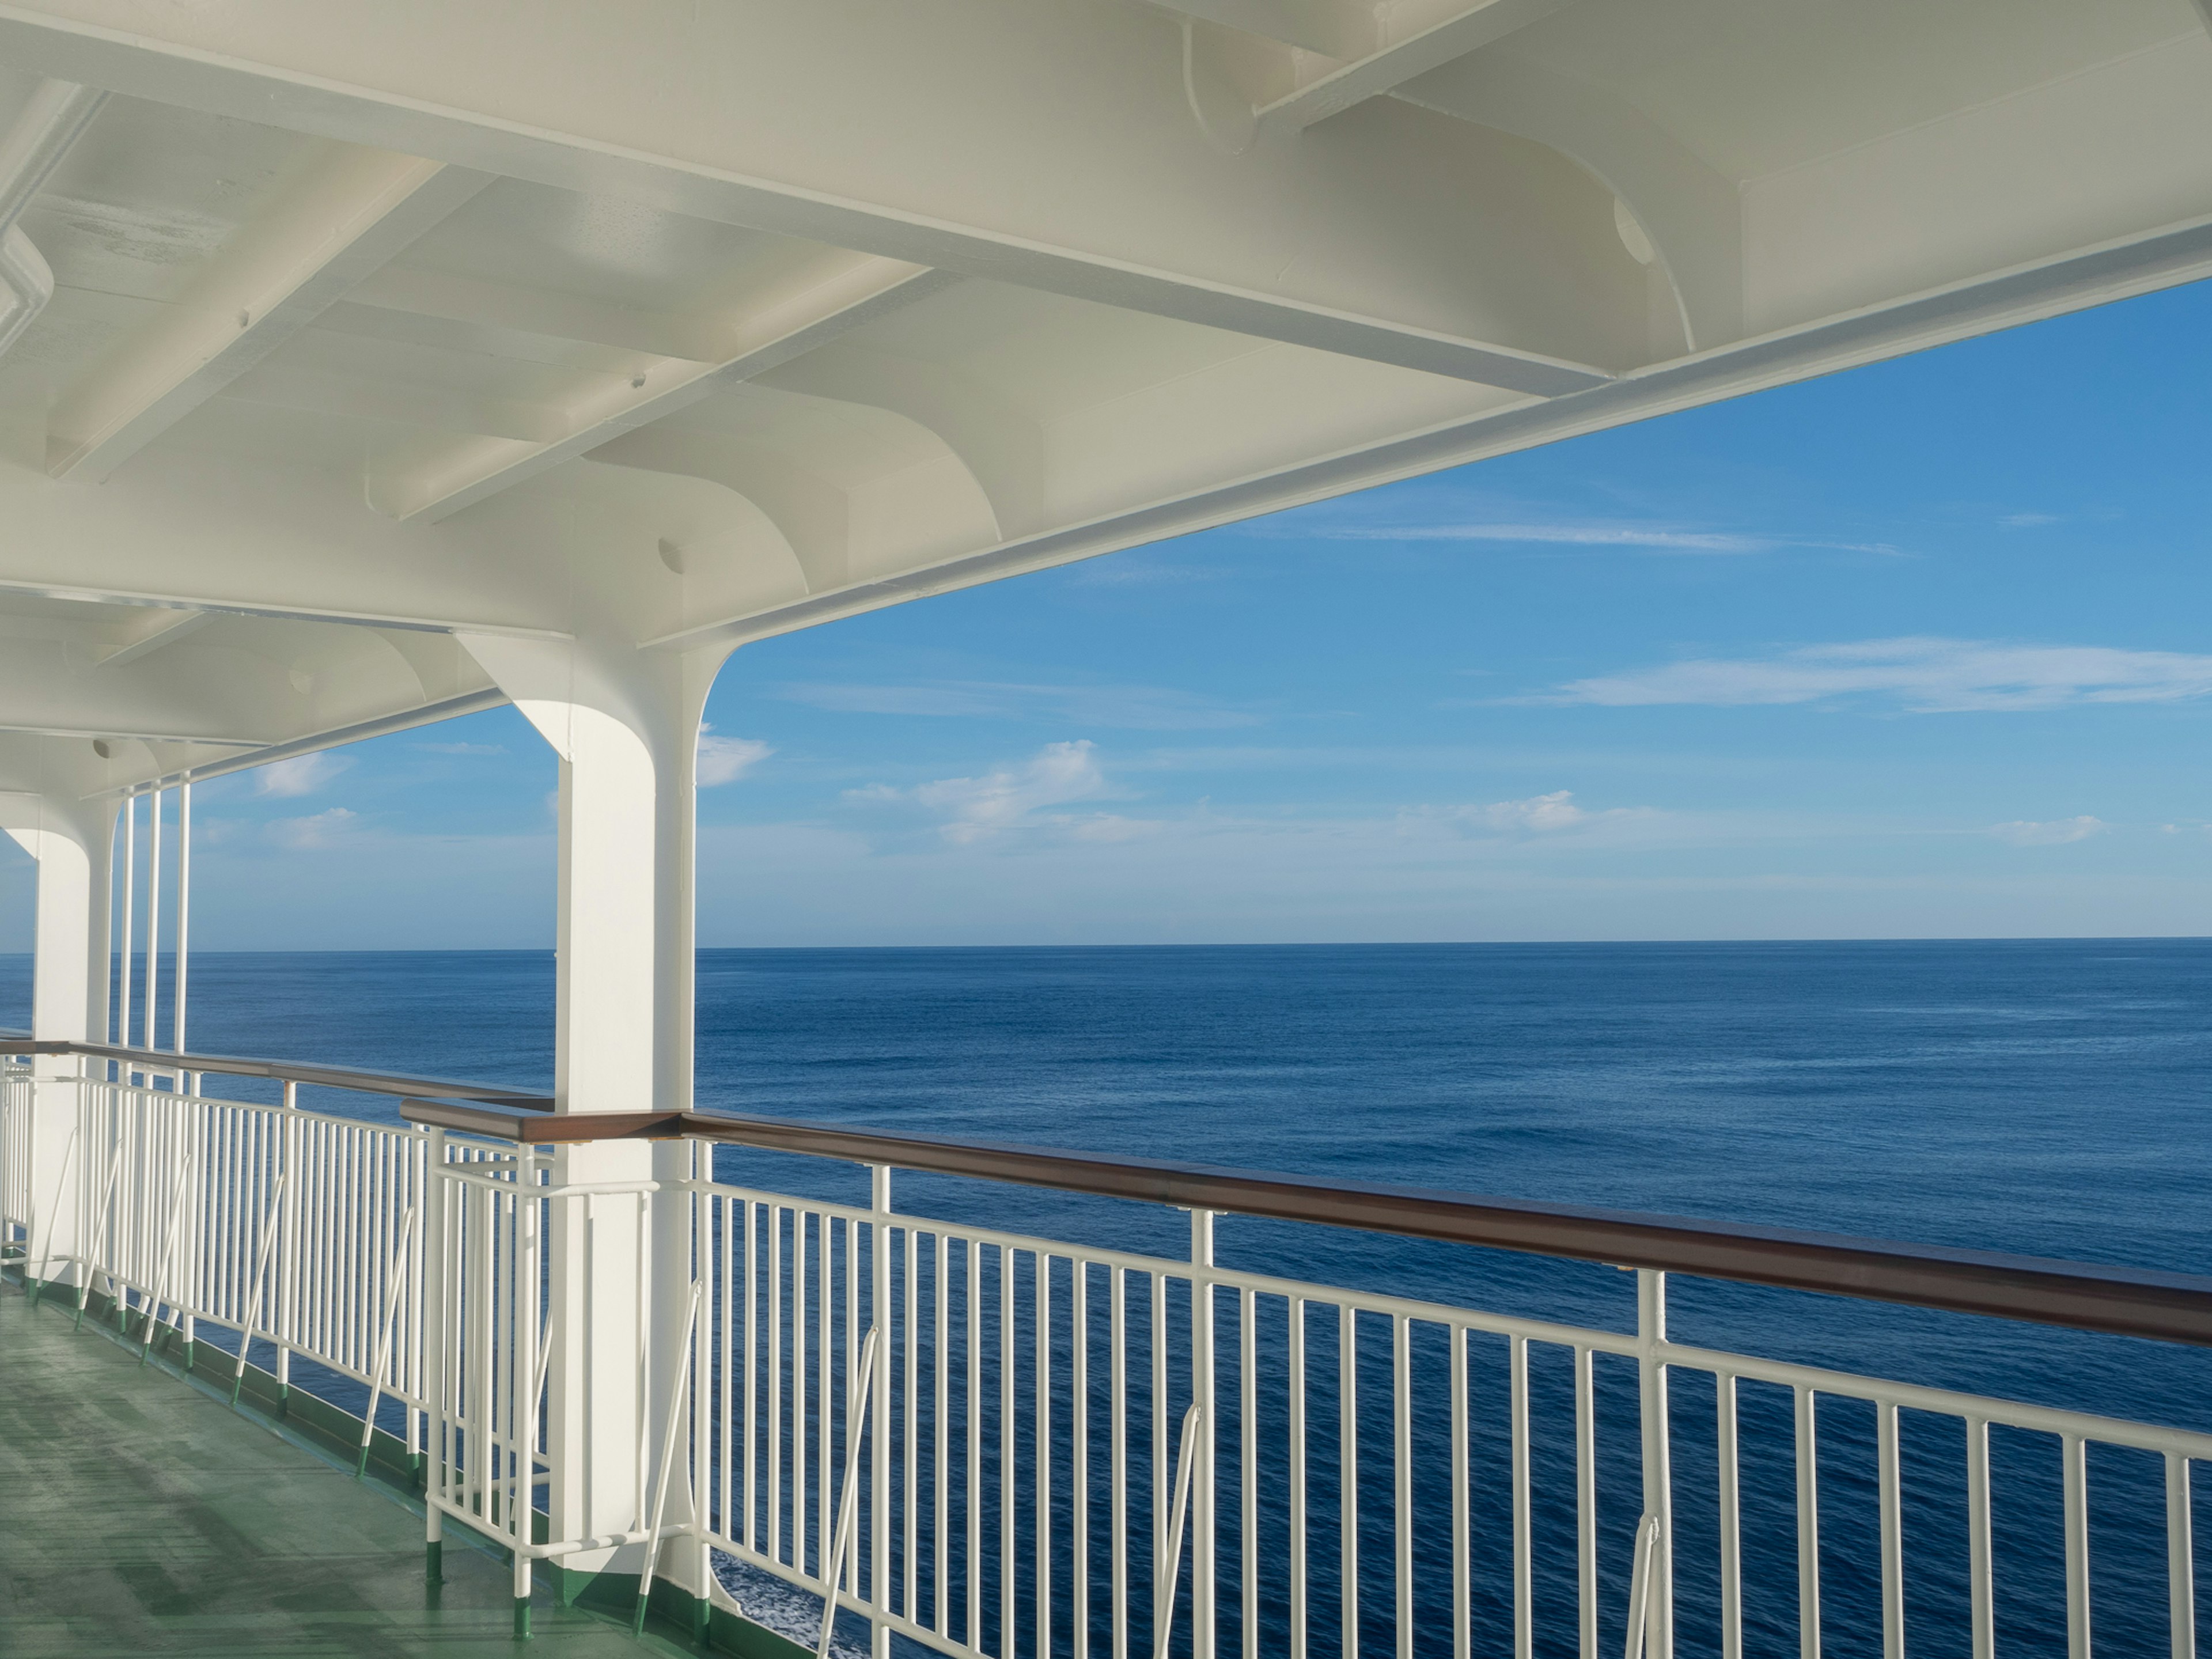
1927	676
2028	520
2023	833
1556	811
322	830
462	748
1650	538
1057	774
301	775
1018	798
724	760
1142	708
1538	815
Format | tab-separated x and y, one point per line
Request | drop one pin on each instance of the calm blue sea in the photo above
2049	1097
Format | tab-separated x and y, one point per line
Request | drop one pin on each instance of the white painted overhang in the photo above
680	323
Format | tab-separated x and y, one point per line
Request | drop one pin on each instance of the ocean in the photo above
2049	1097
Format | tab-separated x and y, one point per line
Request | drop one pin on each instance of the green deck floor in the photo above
138	1516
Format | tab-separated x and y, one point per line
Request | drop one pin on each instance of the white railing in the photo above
297	1232
17	1157
999	1446
1336	1438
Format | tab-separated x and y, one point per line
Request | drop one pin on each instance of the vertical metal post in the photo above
184	923
2180	1558
1893	1531
153	913
2075	1464
879	1476
434	1314
1809	1525
129	923
1202	1394
1731	1507
285	1328
1658	1477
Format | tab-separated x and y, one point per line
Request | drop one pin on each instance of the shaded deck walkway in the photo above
139	1516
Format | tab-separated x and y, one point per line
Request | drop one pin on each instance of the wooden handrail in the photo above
284	1071
2118	1301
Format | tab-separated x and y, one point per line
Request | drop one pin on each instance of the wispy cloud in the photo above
2057	832
2028	520
301	775
724	760
462	748
1018	798
1650	538
322	830
1926	676
1138	707
1537	815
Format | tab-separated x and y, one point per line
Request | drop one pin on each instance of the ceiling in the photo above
378	330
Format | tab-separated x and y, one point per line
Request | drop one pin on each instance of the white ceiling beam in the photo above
163	627
812	515
469	703
1381	250
98	595
94	733
534	311
280	385
346	217
1437	35
1000	446
836	295
1691	213
2027	294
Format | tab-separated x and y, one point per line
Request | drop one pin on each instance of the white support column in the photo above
69	999
625	725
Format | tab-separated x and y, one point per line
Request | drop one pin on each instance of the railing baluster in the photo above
801	1532
1247	1466
1079	1475
1731	1518
941	1597
751	1423
2073	1455
1461	1518
1117	1501
854	1329
1401	1460
909	1421
1808	1527
1157	1472
825	1396
972	1416
1203	1468
772	1306
1524	1601
1041	1440
879	1474
1979	1599
1347	1429
1658	1477
1893	1532
1006	1562
1297	1363
1585	1504
2180	1558
727	1209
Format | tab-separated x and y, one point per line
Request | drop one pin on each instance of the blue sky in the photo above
1922	649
